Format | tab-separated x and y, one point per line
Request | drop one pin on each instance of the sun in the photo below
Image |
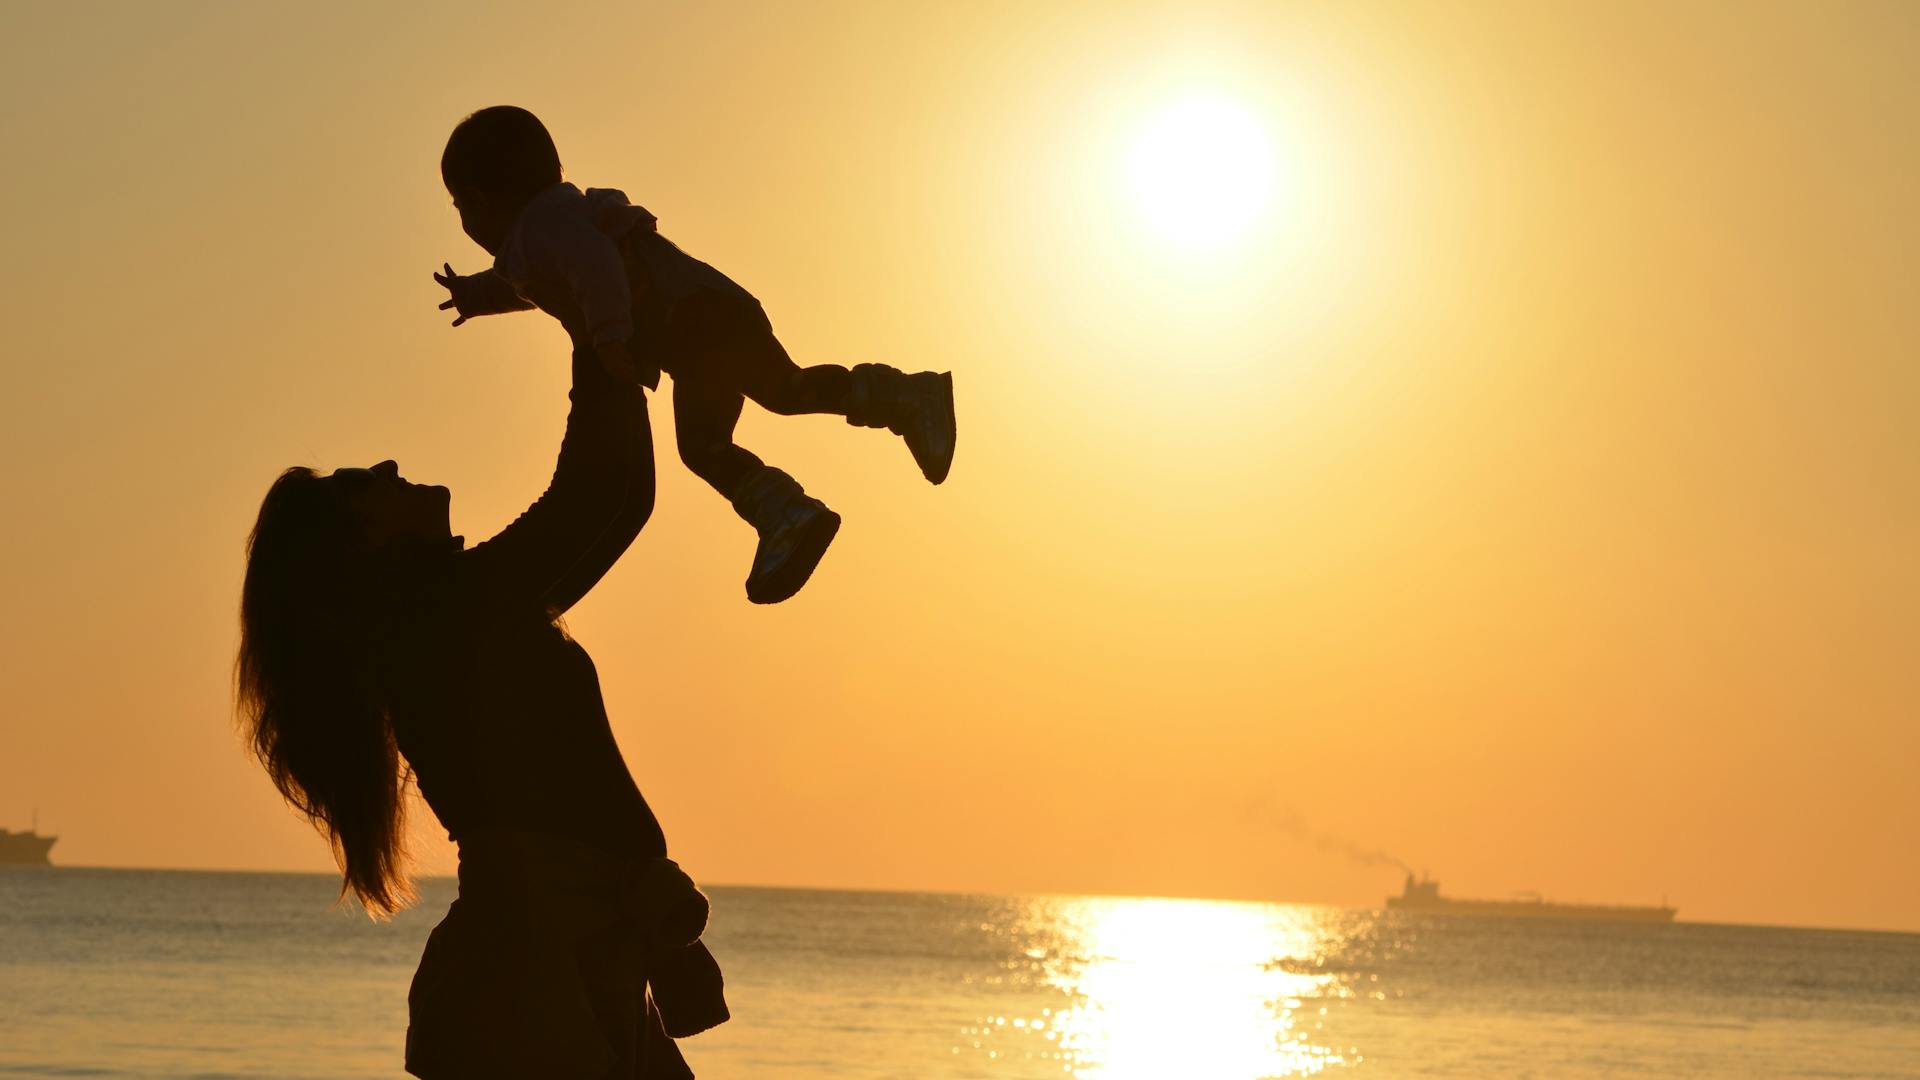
1203	172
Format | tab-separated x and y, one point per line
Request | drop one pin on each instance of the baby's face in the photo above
482	224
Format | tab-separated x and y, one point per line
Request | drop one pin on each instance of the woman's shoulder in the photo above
467	593
442	600
451	620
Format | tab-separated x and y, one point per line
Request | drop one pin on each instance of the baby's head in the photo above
496	161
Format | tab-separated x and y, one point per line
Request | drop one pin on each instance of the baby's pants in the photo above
720	351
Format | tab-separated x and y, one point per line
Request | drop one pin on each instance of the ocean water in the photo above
124	973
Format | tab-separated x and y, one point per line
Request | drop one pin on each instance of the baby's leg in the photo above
794	527
918	408
759	365
745	355
704	415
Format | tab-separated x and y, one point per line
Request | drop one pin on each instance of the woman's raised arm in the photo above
600	496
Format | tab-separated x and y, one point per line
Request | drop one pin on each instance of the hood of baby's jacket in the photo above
613	214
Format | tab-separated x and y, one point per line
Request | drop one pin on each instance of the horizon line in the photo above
334	876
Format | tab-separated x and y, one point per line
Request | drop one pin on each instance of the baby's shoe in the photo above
795	529
918	408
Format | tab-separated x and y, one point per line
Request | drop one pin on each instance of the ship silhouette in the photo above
1424	896
26	848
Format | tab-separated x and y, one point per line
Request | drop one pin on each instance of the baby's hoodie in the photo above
563	254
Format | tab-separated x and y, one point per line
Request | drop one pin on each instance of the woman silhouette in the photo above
370	635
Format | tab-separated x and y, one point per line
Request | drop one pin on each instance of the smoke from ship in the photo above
1288	821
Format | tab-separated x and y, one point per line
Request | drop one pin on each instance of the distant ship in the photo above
1424	896
25	848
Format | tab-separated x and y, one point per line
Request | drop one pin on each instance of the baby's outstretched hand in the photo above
451	281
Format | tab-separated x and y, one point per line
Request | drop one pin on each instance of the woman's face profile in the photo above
390	508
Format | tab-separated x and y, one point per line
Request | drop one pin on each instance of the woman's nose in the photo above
388	469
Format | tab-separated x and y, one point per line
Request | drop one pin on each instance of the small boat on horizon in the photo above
1424	896
25	848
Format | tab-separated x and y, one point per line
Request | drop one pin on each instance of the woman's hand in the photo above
617	359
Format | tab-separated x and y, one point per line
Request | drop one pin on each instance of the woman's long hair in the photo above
310	701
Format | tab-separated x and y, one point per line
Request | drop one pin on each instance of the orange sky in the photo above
1531	491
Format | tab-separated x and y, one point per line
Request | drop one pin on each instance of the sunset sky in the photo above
1484	434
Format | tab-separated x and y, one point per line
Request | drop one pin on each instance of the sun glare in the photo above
1203	172
1192	988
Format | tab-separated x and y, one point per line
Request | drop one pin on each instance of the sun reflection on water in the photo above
1149	989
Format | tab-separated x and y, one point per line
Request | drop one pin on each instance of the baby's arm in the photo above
484	293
